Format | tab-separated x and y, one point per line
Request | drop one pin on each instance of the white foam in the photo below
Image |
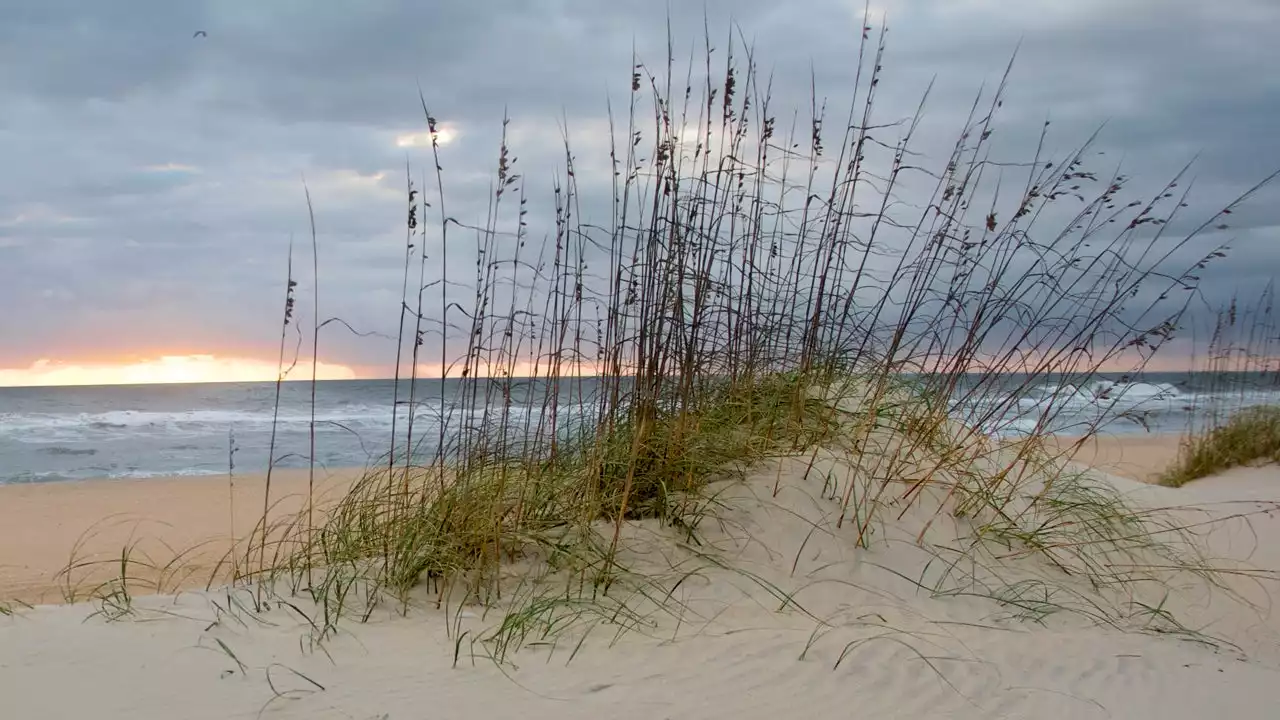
50	428
182	472
1076	407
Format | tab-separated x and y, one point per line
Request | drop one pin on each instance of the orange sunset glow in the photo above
198	368
160	370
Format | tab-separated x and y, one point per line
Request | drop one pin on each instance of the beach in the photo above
48	527
1136	456
866	638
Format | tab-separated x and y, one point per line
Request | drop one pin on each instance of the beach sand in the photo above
868	642
1135	456
47	527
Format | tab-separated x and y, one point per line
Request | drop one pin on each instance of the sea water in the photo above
70	433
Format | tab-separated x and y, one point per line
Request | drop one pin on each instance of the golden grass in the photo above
1251	436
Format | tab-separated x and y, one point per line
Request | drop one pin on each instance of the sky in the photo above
152	178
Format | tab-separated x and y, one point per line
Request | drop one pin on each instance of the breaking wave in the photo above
1110	404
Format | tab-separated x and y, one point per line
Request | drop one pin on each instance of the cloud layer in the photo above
152	180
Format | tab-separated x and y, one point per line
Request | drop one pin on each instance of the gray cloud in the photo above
152	180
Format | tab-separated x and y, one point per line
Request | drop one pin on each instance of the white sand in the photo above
731	655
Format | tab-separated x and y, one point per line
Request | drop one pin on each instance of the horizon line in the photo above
296	381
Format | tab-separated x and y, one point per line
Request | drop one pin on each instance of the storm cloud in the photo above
152	179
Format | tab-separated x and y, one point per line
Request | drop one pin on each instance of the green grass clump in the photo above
645	463
457	527
1249	436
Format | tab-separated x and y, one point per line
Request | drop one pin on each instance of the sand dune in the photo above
857	635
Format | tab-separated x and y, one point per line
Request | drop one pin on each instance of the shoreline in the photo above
1109	447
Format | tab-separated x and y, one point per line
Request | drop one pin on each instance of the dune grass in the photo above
1229	428
454	527
747	291
1250	436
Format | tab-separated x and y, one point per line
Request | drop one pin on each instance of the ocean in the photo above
71	433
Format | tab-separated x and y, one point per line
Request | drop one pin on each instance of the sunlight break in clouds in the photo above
165	369
445	134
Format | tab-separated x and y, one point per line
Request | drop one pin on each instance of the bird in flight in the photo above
200	33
